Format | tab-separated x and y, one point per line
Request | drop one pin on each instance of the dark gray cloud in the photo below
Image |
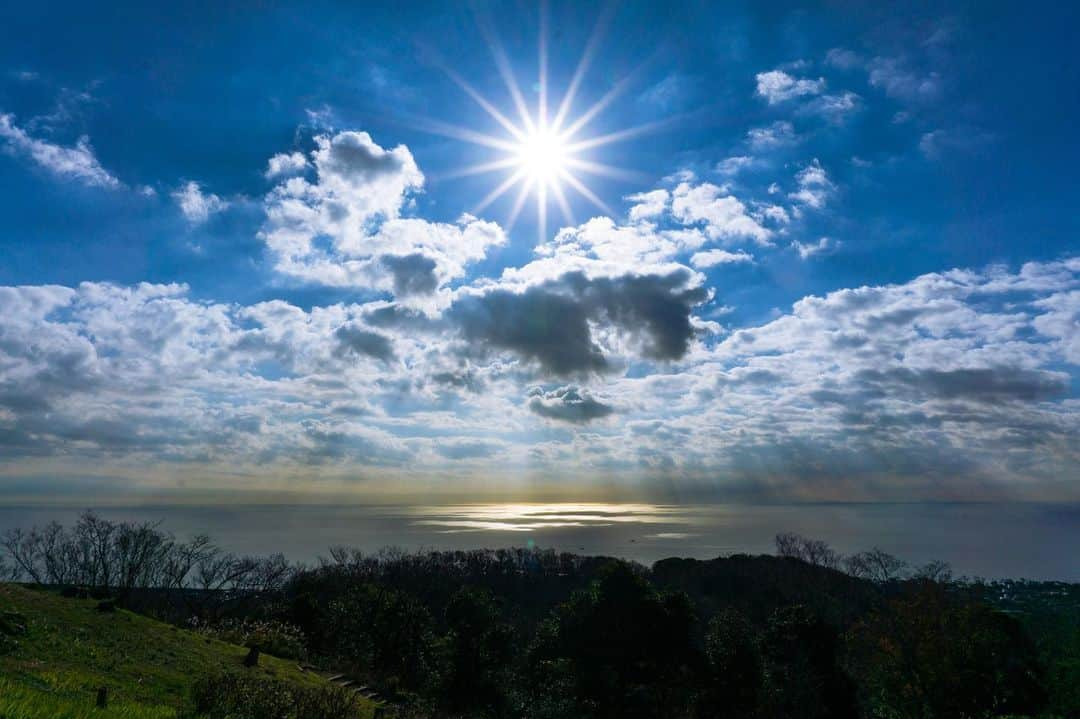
460	379
568	404
354	155
353	340
991	385
549	323
413	274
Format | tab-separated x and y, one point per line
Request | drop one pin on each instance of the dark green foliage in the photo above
383	632
927	654
621	647
734	683
804	678
475	658
539	635
237	696
1050	612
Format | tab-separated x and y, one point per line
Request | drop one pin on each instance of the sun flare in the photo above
543	156
542	153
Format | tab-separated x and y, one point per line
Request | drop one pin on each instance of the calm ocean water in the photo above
1035	541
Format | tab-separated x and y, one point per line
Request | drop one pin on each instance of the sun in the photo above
541	154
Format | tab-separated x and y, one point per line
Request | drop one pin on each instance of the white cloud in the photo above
286	163
807	250
76	163
777	86
814	186
778	134
834	108
648	204
196	205
951	381
723	216
733	165
712	258
346	228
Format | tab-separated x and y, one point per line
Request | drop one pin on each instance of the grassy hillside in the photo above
69	650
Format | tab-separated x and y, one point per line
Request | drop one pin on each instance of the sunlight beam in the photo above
543	153
479	169
502	63
445	129
542	112
564	205
519	203
599	30
602	170
498	191
586	192
619	136
488	107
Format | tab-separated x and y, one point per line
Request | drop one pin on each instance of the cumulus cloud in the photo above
648	204
954	381
568	404
196	205
814	186
353	340
723	216
346	227
285	163
572	325
712	258
77	162
778	86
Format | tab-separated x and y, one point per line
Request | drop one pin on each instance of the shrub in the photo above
268	636
236	696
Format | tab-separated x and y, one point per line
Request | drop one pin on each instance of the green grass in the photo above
70	650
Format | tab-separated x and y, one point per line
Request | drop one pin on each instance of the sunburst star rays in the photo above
541	156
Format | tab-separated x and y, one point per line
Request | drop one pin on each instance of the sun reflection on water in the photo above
531	517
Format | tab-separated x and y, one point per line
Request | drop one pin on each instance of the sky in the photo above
682	251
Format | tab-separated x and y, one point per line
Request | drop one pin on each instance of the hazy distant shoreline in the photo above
979	539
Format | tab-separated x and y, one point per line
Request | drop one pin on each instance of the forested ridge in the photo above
538	633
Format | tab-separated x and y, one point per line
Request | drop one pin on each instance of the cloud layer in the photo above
947	384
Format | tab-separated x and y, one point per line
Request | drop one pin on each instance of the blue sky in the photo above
838	261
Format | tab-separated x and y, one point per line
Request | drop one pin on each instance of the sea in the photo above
988	540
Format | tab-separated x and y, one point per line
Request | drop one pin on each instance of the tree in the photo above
812	551
383	631
934	571
734	682
804	677
622	648
476	655
928	655
876	565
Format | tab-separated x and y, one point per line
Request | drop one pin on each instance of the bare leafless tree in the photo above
876	565
24	548
812	551
934	571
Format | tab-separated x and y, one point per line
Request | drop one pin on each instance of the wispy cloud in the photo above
76	162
